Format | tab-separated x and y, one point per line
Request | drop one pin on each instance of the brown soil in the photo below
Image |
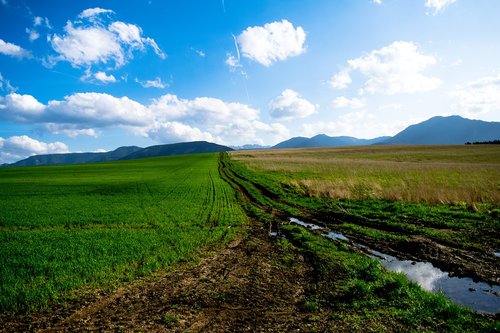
245	287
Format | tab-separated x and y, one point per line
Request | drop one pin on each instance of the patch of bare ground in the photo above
245	287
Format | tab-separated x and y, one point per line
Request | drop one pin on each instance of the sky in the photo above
96	75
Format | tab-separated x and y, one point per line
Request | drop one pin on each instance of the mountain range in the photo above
124	153
436	130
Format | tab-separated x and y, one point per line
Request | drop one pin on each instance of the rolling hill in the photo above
76	158
447	130
195	147
436	130
123	153
323	140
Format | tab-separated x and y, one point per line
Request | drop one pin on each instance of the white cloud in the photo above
360	124
19	147
94	11
128	33
87	46
38	22
176	132
341	80
232	61
344	102
5	85
20	108
13	50
104	78
70	130
156	83
273	42
32	34
289	105
166	117
438	5
97	110
94	43
200	53
226	122
393	69
89	109
378	2
478	97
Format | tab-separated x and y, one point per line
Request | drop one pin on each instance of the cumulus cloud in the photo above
289	105
104	78
272	42
91	109
97	110
341	80
156	83
166	118
93	12
438	5
225	122
478	97
91	42
393	69
344	102
20	108
13	50
18	147
176	132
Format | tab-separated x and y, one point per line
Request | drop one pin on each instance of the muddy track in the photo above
244	287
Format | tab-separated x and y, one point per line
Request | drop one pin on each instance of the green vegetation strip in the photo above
64	228
361	294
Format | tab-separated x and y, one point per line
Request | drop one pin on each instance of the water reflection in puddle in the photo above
478	296
335	235
277	234
311	226
481	296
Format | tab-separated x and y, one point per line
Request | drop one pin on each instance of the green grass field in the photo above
67	230
64	228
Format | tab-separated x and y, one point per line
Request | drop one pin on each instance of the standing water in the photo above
479	296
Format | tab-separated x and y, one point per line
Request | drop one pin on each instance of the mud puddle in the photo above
480	296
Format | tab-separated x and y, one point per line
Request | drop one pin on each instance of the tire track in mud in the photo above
240	288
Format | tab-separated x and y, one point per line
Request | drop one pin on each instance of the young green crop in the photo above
65	227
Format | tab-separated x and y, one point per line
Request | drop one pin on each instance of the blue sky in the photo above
96	75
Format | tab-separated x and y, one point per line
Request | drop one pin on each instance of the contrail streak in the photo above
236	46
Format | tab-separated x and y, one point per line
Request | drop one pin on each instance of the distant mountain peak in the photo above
447	130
